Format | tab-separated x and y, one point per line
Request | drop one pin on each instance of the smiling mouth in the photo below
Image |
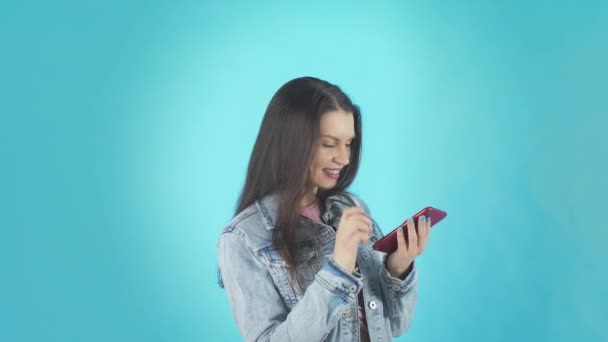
332	173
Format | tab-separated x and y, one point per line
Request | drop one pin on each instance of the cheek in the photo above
317	165
322	157
315	170
317	161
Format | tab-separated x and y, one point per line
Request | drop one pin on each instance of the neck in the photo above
309	198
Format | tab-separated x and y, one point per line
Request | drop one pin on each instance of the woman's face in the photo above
333	149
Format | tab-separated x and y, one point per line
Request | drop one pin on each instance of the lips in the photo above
332	173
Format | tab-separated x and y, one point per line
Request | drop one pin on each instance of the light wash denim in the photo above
267	307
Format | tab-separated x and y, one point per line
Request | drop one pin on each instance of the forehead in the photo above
339	124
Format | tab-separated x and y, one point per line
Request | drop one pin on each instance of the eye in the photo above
328	146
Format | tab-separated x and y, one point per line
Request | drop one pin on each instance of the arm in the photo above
400	297
400	294
258	308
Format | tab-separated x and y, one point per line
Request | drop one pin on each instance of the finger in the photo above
364	230
363	220
422	234
412	238
363	216
360	227
362	237
356	209
360	234
360	215
348	214
351	211
358	237
357	227
401	245
428	233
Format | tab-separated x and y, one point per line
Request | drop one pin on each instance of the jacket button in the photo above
372	305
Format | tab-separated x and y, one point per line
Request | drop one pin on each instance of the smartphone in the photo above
388	244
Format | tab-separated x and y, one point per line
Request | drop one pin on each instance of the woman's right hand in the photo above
354	229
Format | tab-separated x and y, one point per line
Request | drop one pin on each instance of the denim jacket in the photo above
267	307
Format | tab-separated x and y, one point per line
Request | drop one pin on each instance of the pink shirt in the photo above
314	214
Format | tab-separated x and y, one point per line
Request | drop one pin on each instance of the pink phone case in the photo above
388	244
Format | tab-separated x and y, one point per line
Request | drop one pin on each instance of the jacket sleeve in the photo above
258	308
399	295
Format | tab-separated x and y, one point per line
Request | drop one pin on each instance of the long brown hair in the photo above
284	149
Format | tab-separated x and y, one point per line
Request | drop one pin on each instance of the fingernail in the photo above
423	219
401	229
429	219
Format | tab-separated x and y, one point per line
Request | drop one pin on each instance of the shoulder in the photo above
248	227
355	200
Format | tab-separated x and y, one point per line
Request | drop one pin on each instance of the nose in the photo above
343	156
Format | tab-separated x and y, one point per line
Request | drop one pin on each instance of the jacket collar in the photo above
269	205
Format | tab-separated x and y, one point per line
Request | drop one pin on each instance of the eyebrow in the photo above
334	138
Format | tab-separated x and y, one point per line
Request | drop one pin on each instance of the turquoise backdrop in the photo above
126	128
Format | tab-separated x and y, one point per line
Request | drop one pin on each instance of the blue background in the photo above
127	127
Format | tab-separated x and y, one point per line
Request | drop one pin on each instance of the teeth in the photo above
333	172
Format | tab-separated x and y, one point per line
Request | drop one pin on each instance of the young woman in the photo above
296	261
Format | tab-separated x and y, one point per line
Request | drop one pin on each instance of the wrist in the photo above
344	268
400	273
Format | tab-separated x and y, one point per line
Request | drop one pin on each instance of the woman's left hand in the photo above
400	260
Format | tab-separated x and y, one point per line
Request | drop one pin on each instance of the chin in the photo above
328	185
